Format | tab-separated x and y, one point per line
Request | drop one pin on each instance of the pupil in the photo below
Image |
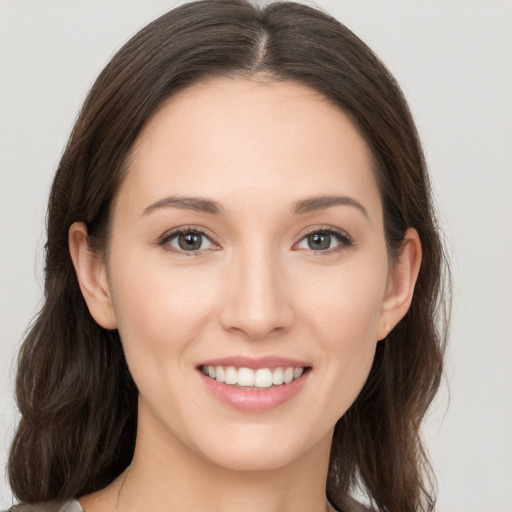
319	241
189	241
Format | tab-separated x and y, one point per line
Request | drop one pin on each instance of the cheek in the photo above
159	309
346	303
343	315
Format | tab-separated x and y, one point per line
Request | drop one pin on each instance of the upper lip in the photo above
255	362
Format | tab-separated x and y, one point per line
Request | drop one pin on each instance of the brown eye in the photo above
328	241
319	241
188	241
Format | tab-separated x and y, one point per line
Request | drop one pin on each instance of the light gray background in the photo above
454	61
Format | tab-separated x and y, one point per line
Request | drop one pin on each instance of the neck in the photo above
169	476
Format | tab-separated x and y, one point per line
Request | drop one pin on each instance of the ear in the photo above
92	277
401	282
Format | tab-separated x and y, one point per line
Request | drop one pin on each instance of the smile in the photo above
254	385
248	378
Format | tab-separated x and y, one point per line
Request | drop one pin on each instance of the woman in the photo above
243	279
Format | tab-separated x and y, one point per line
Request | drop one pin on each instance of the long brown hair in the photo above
77	400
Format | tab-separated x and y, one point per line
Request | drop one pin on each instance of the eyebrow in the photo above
203	205
323	202
196	204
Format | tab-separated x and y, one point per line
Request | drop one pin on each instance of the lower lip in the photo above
255	400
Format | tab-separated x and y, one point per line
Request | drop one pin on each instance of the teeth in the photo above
288	375
219	373
263	378
278	376
247	377
231	375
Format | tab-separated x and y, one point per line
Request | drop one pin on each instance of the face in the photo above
247	244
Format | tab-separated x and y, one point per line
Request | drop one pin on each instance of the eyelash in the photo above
345	241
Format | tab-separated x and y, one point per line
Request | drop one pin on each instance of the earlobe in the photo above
401	282
92	277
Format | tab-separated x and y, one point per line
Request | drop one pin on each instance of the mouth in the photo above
254	379
254	385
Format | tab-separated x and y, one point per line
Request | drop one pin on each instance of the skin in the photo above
255	288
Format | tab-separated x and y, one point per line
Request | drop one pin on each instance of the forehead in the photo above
246	139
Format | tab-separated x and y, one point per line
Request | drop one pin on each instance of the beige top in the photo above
349	505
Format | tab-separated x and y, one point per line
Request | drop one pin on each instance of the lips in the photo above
255	385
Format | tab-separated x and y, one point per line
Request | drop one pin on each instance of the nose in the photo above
258	301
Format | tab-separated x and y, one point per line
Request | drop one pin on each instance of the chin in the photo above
254	462
260	451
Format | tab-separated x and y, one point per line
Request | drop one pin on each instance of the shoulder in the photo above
50	506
